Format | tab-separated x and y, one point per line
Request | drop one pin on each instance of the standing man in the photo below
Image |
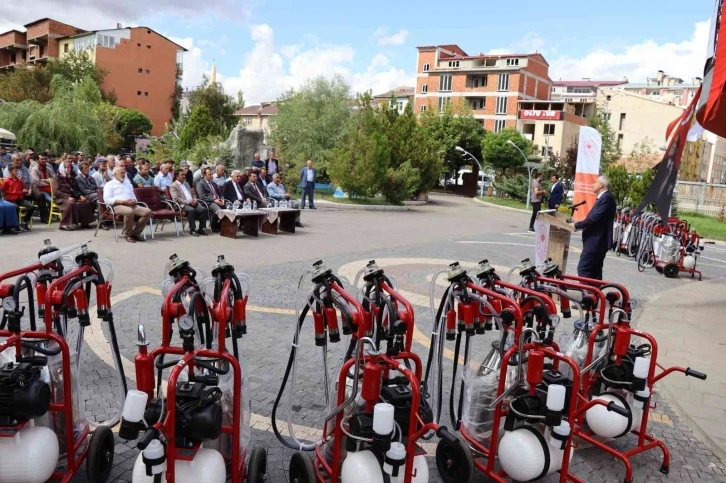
182	194
597	231
557	193
272	165
308	176
253	192
120	194
536	198
211	194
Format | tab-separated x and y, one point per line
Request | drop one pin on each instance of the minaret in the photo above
213	74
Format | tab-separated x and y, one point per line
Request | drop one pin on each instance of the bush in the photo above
514	186
401	184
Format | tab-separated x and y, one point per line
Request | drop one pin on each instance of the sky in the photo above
266	47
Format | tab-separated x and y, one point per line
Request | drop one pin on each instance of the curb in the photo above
347	206
505	208
672	397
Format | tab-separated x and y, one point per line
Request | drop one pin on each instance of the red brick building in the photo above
142	66
492	85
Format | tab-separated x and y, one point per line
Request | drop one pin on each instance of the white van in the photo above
484	180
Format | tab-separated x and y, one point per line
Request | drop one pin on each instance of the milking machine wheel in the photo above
658	269
670	270
302	469
454	461
257	468
99	460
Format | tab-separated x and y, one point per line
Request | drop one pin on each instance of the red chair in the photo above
163	210
106	213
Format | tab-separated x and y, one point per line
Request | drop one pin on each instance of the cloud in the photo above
268	71
381	36
530	43
638	61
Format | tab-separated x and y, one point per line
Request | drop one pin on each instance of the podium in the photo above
552	238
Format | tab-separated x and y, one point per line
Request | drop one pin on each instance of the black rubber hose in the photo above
19	286
452	392
116	351
461	385
433	338
202	318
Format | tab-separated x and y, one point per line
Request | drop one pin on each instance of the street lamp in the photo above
529	169
465	152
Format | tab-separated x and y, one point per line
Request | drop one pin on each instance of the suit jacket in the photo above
597	228
252	194
304	176
177	195
229	192
206	193
556	195
87	186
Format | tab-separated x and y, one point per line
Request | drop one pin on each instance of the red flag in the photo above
712	108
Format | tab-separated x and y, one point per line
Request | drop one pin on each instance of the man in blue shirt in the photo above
308	176
164	178
257	162
277	192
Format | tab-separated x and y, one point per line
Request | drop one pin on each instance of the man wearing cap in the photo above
102	174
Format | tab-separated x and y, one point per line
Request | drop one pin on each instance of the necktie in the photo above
214	190
258	191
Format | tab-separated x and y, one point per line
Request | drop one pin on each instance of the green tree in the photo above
312	122
220	106
566	165
619	183
106	114
401	183
132	124
239	101
643	155
199	125
640	185
77	65
25	83
497	152
610	151
455	126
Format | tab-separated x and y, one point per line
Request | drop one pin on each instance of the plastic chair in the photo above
53	210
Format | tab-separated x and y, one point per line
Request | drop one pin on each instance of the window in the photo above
549	129
138	45
499	124
148	46
503	84
622	121
146	94
65	49
512	61
445	82
479	103
138	93
454	63
477	82
608	115
424	88
147	71
501	105
248	121
399	106
141	70
443	102
620	141
422	108
426	67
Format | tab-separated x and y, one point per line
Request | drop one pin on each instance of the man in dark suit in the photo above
308	177
233	191
254	193
597	231
557	193
210	193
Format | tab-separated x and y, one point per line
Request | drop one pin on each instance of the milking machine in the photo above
371	429
197	428
43	434
513	407
623	376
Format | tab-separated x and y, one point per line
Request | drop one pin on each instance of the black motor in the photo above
23	395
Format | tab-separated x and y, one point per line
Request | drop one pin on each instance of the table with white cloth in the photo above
279	219
248	220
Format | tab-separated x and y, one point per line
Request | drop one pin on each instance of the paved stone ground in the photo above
450	230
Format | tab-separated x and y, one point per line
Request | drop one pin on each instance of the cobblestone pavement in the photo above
270	326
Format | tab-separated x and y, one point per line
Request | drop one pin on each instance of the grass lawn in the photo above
496	200
706	226
352	201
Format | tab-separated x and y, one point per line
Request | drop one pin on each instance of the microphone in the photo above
55	255
577	205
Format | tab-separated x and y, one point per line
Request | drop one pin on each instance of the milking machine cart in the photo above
43	433
193	422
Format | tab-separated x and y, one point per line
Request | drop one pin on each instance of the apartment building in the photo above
400	97
492	85
665	89
582	94
142	66
257	117
552	126
38	44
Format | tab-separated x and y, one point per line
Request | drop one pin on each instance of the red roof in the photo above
266	109
587	83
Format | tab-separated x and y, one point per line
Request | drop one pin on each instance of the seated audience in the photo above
41	174
233	189
120	194
102	174
199	174
86	184
164	178
144	179
257	162
181	193
76	210
253	192
277	192
210	193
15	192
219	175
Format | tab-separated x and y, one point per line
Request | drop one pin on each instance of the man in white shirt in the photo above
164	178
120	194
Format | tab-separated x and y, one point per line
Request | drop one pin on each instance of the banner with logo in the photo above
587	169
712	107
660	191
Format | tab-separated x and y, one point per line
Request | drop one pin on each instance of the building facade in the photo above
142	67
581	94
666	89
257	117
491	85
398	98
553	127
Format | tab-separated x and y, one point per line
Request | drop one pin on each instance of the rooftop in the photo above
266	109
128	28
589	83
402	91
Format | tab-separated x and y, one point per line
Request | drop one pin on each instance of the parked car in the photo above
484	180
